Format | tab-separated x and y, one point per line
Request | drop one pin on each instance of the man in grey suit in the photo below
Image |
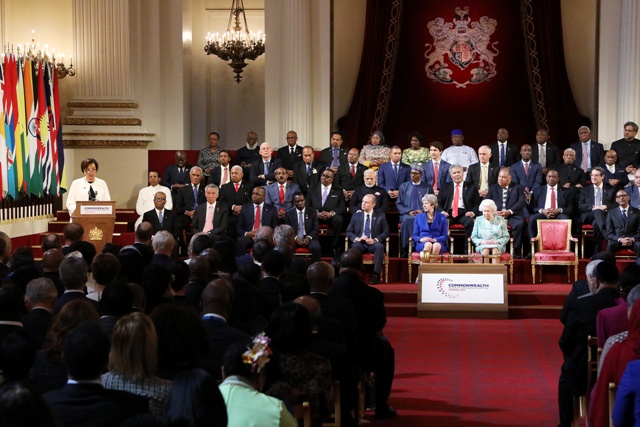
623	226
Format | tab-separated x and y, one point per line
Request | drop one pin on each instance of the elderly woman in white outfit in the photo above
89	187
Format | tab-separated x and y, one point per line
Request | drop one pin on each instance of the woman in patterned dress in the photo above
490	234
208	157
376	152
416	153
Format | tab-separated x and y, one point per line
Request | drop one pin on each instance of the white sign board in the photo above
463	288
96	209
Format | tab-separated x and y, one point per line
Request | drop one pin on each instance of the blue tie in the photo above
266	168
502	154
160	218
300	225
195	197
367	226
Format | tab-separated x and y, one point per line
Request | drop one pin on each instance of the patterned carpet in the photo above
479	373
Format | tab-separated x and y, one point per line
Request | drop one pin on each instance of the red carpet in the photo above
478	373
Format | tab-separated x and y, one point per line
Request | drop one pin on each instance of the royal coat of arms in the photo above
465	44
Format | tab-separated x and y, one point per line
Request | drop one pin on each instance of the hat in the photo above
456	132
417	167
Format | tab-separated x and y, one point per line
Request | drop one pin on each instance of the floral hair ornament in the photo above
258	355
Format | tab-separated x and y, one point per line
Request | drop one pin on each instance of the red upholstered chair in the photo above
552	246
626	254
302	252
505	258
586	232
368	258
420	257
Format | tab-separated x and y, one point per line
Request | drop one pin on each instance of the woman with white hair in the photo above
490	234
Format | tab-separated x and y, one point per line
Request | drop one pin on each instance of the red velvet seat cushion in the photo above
555	256
477	257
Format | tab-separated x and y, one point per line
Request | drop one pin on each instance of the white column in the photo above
628	82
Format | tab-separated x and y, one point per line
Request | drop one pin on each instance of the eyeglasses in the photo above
621	195
90	170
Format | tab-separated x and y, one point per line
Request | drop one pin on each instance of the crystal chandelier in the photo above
236	46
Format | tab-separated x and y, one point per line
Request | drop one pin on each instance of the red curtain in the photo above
525	82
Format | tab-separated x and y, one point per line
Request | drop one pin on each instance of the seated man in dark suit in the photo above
306	174
211	217
252	216
527	173
73	275
623	226
263	171
83	401
459	201
595	201
12	308
176	176
280	193
40	297
551	202
569	175
307	229
327	199
580	323
160	218
436	170
189	197
291	153
221	173
248	155
593	149
216	302
368	231
370	187
375	351
393	173
410	204
350	174
72	233
510	201
614	175
544	152
334	156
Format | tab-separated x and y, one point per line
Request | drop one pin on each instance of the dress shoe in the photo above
528	256
517	257
375	279
385	412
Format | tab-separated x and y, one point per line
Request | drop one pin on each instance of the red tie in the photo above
256	222
553	198
435	176
456	196
526	169
282	194
237	185
225	176
353	171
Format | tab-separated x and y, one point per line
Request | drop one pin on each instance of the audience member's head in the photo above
111	248
105	269
182	339
85	351
351	259
290	328
249	272
87	250
313	307
273	264
284	235
181	272
633	296
212	257
144	233
51	241
320	276
199	242
264	232
155	282
21	405
5	246
73	273
131	264
134	346
227	257
629	278
293	286
261	247
17	353
235	363
163	243
51	260
116	300
139	298
198	268
606	275
71	315
41	292
216	298
72	232
195	400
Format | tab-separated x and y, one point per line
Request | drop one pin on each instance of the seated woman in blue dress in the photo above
431	228
490	234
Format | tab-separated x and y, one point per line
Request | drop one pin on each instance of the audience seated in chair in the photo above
431	229
490	234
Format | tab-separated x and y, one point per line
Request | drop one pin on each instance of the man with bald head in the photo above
73	233
50	264
216	303
262	172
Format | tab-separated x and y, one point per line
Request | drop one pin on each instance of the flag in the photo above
11	117
21	148
34	171
58	145
44	149
3	142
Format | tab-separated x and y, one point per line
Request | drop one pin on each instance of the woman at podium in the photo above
89	187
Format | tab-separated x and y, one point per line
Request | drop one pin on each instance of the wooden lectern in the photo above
98	220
